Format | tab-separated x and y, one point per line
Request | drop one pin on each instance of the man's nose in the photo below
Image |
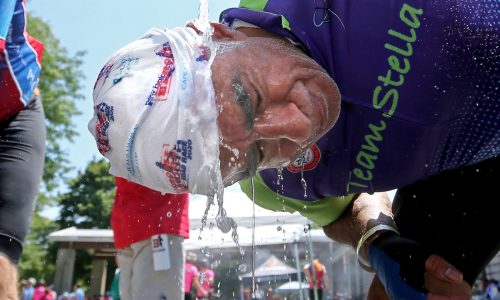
283	121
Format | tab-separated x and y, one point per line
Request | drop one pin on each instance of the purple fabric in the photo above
438	109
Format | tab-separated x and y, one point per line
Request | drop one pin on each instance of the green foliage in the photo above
60	85
87	205
227	282
38	256
88	202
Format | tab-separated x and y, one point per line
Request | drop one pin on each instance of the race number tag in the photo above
161	256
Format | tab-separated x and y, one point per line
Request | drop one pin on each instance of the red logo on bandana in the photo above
162	86
171	163
307	161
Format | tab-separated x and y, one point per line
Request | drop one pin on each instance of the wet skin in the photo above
273	102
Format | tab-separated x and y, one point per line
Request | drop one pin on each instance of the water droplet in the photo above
242	268
303	182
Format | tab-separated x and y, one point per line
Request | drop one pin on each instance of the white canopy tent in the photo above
271	228
240	208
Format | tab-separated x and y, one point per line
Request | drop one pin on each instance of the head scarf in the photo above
155	114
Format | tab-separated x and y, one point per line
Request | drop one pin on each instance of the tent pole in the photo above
311	258
297	263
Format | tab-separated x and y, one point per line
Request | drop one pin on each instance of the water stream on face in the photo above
279	182
224	223
202	22
303	182
253	238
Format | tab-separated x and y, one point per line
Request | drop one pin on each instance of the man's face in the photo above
273	101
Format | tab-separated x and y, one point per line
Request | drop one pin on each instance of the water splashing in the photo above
253	238
280	175
202	22
303	181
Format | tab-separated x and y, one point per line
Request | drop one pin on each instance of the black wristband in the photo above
410	255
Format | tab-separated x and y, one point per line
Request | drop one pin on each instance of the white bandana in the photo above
155	114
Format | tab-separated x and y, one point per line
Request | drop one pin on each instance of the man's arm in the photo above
364	212
368	211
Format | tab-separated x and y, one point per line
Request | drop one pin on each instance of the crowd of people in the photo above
324	104
486	289
199	278
31	289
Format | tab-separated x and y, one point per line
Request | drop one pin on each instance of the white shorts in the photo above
139	280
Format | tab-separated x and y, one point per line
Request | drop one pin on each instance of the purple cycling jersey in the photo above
419	82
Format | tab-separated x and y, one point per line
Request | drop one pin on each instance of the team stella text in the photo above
385	97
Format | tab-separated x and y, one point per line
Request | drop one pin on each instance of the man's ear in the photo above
222	32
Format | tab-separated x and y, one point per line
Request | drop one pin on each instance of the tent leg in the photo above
297	263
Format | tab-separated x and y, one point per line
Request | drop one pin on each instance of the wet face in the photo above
273	101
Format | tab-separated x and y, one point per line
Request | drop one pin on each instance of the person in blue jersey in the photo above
328	104
22	137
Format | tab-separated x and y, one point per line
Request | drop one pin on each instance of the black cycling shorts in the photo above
22	150
455	215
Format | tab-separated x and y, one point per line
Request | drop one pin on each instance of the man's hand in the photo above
438	289
407	271
8	279
441	278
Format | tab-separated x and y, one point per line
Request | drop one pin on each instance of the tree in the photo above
88	202
60	86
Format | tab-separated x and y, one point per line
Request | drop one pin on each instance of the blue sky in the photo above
101	27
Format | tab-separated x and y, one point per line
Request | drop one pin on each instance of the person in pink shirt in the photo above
191	278
206	277
40	291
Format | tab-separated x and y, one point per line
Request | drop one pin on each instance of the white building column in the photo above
65	264
98	277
